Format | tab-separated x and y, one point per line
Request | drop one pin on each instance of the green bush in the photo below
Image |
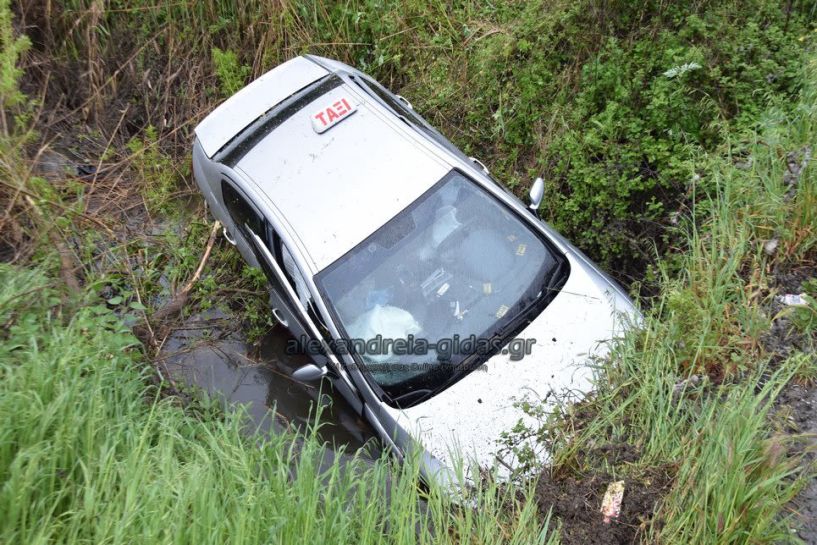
12	47
232	75
644	109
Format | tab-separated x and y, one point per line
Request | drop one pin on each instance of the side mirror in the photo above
309	373
537	192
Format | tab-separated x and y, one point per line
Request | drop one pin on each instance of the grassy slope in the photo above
731	461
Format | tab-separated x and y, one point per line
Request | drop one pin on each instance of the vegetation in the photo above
675	139
610	101
90	453
692	392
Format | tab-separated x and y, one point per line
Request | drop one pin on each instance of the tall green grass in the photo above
693	390
90	454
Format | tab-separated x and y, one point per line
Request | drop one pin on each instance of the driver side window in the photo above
242	213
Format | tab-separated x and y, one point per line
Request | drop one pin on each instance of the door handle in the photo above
480	164
404	101
228	236
276	313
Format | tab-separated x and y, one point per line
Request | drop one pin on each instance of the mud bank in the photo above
798	402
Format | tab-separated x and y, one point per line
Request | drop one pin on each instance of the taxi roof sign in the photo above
326	118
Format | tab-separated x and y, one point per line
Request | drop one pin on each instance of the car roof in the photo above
333	189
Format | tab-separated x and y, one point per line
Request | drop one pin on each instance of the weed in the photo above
805	368
805	317
156	170
12	47
741	475
732	474
232	76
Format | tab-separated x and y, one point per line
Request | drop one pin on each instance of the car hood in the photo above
466	421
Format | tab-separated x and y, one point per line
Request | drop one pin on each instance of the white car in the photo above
433	298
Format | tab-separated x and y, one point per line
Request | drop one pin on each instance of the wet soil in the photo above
802	403
576	503
209	352
783	339
798	401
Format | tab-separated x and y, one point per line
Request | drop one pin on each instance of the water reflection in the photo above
207	354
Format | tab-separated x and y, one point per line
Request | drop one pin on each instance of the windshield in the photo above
455	266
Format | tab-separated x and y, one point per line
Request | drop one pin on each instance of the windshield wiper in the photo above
556	277
521	321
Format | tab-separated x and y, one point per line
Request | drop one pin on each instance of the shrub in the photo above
232	75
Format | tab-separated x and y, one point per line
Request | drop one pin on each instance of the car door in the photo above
290	299
250	223
303	319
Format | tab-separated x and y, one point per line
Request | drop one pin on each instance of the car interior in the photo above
454	263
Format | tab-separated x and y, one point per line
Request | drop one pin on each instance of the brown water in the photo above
209	353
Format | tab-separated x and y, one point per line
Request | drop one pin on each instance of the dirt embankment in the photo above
802	402
797	405
575	502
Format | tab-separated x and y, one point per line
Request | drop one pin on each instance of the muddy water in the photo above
208	352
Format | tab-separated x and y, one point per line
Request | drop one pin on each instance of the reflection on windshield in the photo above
454	265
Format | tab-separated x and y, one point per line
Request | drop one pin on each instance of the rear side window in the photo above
392	102
240	210
410	116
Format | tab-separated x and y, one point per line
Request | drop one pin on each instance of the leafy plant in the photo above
156	171
232	75
12	46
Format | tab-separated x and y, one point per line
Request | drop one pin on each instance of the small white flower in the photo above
681	70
